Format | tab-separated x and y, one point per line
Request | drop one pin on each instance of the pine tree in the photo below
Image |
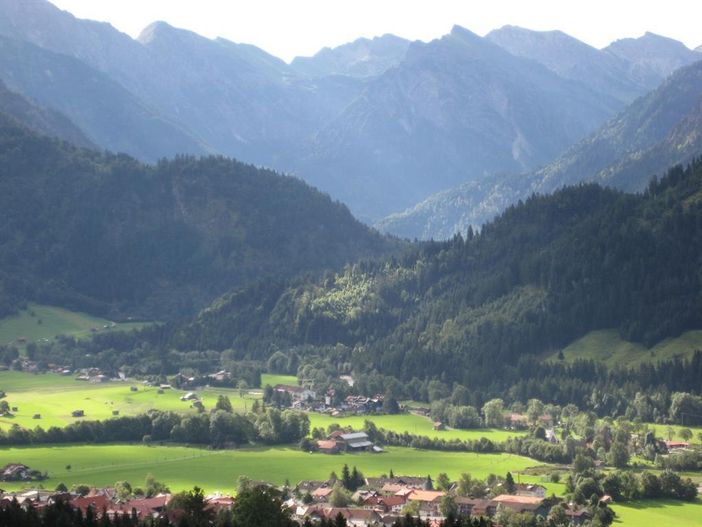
346	477
510	487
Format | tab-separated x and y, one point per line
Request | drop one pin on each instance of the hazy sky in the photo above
287	28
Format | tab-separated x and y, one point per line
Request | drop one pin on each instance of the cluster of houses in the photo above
304	398
382	501
347	441
105	501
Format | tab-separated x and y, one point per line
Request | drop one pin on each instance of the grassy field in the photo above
183	467
659	513
54	397
269	378
412	423
662	432
608	347
39	322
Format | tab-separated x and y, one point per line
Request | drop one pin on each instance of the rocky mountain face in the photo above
379	124
658	130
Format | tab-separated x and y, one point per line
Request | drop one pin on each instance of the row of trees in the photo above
218	428
590	485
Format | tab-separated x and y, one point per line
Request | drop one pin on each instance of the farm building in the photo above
355	441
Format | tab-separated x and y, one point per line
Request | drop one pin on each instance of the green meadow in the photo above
662	431
39	322
659	513
411	423
272	379
183	467
608	347
55	396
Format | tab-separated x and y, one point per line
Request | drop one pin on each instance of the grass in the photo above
269	378
662	432
656	513
608	347
54	397
39	323
183	467
411	423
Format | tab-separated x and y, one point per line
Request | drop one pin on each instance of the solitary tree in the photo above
510	487
223	403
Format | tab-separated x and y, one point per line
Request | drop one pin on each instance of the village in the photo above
378	501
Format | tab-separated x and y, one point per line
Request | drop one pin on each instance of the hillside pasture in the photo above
42	323
54	397
608	347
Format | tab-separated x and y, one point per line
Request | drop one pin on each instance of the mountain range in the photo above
379	124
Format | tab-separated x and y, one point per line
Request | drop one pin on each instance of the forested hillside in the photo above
544	273
107	234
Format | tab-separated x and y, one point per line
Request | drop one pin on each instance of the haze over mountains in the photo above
379	124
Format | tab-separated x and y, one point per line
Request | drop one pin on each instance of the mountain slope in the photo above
541	275
41	120
105	233
453	110
658	130
646	124
240	100
106	112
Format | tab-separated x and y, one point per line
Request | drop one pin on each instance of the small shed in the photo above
78	413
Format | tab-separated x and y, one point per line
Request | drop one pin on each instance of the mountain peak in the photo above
652	56
464	34
156	29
